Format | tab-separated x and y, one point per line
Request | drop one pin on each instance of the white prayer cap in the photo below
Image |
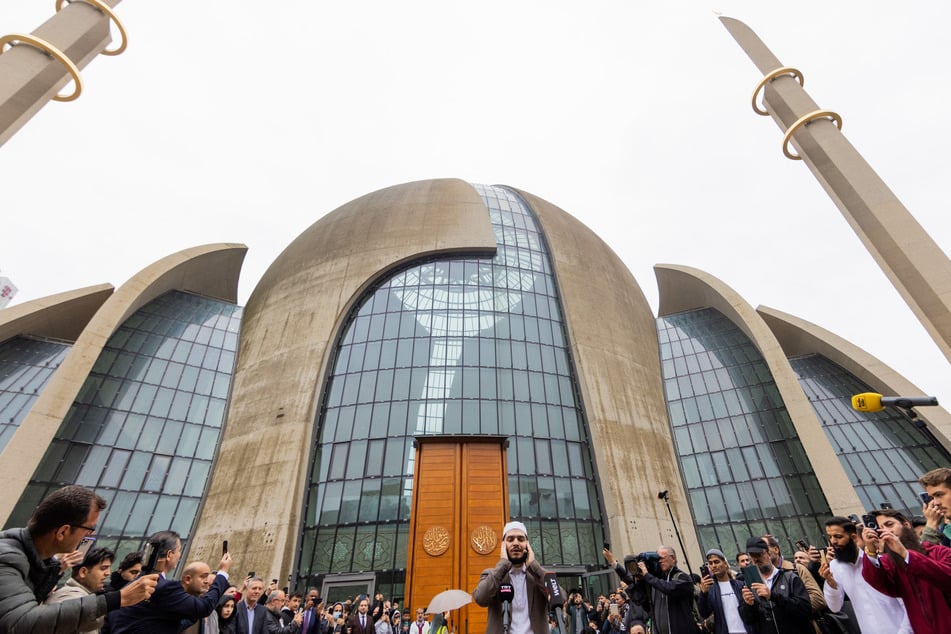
514	526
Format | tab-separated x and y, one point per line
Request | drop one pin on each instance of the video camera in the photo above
650	559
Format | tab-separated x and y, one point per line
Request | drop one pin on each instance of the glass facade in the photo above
883	453
743	465
453	346
26	364
145	426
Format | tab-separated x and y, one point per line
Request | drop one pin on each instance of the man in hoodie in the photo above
671	595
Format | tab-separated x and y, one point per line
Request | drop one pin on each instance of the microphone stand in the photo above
506	616
665	496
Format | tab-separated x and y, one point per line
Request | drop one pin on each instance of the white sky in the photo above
246	122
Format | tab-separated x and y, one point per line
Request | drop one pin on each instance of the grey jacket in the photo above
26	581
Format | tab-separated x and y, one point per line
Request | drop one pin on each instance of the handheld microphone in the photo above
556	600
506	594
873	402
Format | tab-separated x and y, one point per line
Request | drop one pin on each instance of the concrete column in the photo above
910	258
30	78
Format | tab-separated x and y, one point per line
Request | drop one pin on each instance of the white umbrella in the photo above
448	600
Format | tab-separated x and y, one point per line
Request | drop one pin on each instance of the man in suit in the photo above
170	605
250	613
313	621
361	622
518	569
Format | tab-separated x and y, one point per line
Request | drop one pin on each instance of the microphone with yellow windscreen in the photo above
874	402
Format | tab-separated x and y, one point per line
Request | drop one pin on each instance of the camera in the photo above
651	560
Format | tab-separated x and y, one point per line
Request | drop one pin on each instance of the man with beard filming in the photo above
514	591
899	565
875	612
775	601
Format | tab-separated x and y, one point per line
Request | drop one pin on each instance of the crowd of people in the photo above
880	575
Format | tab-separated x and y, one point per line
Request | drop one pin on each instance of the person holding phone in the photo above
29	569
875	613
720	596
775	601
899	565
936	506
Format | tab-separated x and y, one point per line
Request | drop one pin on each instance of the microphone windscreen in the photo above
555	598
867	402
506	592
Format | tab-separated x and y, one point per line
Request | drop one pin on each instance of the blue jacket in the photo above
165	611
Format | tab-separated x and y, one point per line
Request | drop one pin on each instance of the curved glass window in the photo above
26	364
744	467
453	346
145	426
884	453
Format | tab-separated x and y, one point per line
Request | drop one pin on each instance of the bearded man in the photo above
875	612
525	579
899	565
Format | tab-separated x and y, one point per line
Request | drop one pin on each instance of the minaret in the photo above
35	66
913	262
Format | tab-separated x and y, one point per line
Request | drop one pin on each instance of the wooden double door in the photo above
460	504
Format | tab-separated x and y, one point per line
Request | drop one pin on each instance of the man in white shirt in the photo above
875	612
420	625
720	595
518	570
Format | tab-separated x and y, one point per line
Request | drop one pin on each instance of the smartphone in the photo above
251	574
274	581
885	505
924	497
85	545
705	571
855	519
150	558
751	575
802	545
614	610
607	546
224	548
869	522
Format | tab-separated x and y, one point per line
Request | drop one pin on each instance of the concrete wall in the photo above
800	337
258	483
613	339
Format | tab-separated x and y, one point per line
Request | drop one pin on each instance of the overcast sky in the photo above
246	122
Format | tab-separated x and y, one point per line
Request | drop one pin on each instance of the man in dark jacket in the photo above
171	605
721	595
29	570
128	569
671	595
778	605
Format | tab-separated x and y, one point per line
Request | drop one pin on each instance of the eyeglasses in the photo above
89	531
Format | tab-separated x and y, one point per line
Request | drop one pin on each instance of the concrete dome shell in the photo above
60	316
211	270
799	337
295	313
